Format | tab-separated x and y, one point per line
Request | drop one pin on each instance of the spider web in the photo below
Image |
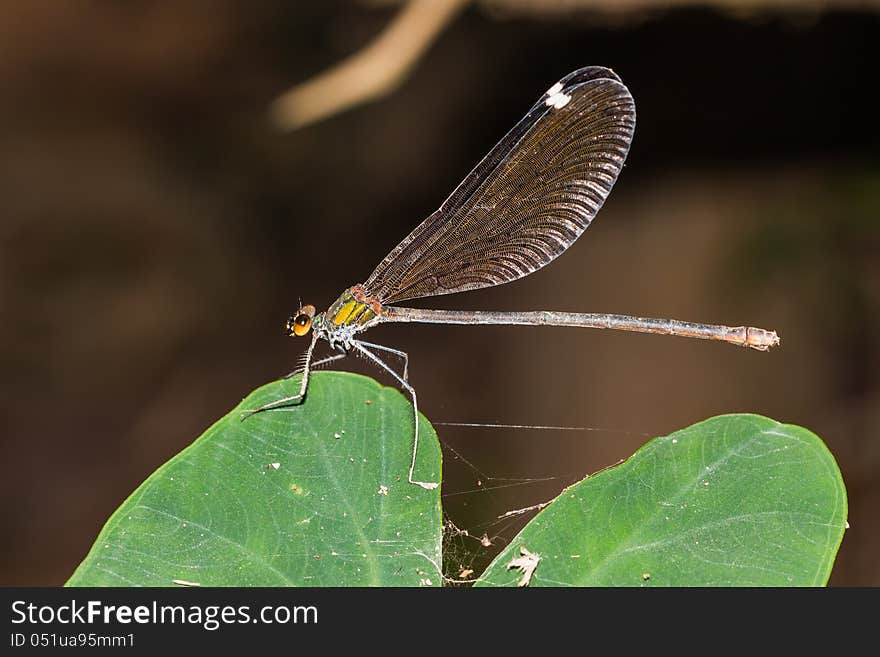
482	511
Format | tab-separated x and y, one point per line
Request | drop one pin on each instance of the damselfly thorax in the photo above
524	204
354	311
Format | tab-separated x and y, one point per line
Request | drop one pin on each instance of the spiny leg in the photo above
287	401
373	357
396	352
316	364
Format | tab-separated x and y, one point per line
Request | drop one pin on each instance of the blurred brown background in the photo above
157	228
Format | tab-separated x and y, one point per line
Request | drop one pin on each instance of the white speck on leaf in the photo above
526	563
183	582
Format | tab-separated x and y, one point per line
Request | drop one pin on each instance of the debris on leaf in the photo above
526	564
183	582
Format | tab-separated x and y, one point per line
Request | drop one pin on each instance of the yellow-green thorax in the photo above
352	309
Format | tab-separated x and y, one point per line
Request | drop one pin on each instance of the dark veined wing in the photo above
526	202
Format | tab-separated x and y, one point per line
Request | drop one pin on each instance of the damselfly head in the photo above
301	322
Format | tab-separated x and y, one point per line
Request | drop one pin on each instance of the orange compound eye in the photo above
300	325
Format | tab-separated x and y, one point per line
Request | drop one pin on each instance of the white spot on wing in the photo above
555	89
558	100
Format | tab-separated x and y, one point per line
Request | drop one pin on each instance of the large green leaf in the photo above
737	500
315	494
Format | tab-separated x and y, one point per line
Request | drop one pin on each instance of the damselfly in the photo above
524	204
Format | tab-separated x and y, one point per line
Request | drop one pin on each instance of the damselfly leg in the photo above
402	354
304	384
316	364
362	348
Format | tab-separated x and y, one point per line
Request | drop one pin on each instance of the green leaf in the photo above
315	494
737	500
